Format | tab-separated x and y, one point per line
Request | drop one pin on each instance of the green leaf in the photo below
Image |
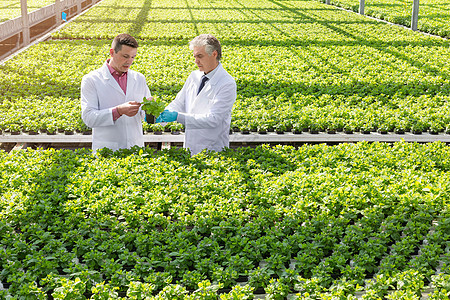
153	107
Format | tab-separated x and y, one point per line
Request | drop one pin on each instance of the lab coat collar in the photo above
104	70
214	71
214	76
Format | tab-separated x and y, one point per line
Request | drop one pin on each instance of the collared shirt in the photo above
181	117
208	77
211	74
122	81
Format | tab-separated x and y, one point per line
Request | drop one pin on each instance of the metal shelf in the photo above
270	137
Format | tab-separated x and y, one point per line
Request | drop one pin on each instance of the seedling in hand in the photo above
153	106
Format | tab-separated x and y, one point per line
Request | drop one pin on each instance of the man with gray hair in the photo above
205	102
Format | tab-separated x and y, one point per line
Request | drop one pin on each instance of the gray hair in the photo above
209	41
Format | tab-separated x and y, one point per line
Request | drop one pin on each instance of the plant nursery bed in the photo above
335	70
317	220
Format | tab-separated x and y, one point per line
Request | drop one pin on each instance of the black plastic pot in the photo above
150	119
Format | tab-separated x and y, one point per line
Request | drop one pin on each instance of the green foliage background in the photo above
317	221
297	64
434	16
10	9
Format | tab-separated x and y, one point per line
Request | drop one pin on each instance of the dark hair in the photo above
123	39
210	42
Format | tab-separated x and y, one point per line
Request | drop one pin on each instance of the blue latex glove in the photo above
167	116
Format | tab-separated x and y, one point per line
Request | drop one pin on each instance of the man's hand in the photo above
130	108
167	116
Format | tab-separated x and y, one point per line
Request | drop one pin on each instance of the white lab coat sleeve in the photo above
90	113
179	103
220	109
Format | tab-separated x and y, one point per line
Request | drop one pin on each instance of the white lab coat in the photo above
100	93
206	116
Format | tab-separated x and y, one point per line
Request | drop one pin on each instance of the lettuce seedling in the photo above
153	106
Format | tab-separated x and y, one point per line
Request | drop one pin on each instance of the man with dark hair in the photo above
123	39
205	102
111	97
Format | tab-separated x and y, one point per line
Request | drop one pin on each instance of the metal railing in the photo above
20	27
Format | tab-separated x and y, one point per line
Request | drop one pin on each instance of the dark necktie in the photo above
202	84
